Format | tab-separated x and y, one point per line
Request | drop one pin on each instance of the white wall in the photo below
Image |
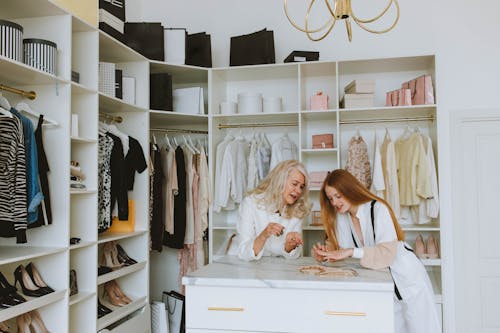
462	34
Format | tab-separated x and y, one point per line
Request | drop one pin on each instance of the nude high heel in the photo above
120	293
37	325
113	297
432	248
4	328
23	323
420	247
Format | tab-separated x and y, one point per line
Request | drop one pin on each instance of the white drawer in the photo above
287	310
140	323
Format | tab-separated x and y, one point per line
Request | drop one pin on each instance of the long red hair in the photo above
354	192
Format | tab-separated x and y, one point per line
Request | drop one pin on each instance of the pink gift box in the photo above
319	102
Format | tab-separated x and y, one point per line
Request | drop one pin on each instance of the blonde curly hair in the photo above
269	192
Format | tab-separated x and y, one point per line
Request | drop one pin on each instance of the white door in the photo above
475	161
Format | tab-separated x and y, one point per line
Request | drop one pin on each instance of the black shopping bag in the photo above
176	311
199	50
146	38
252	49
160	91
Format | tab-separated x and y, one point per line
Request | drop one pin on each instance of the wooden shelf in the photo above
11	254
80	297
18	74
120	312
31	303
108	237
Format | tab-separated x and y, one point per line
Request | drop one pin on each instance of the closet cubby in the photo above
318	77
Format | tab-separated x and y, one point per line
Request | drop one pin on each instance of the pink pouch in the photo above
319	102
422	91
399	97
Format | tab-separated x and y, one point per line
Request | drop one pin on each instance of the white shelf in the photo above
16	73
431	262
181	74
75	191
120	312
112	50
79	89
224	227
112	104
319	151
120	272
80	297
11	254
82	140
313	228
80	245
166	119
31	304
25	8
108	237
420	227
384	113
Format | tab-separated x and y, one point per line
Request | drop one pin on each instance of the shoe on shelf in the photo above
113	296
102	310
23	323
123	257
420	247
73	284
120	293
37	325
8	294
4	328
110	256
28	287
432	248
37	278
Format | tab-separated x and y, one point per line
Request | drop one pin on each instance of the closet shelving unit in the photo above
295	83
80	48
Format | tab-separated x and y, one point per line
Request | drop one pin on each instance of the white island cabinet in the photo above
272	295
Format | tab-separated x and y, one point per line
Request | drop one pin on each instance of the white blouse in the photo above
253	218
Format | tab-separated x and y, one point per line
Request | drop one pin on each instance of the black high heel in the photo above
102	310
123	257
8	294
27	285
37	278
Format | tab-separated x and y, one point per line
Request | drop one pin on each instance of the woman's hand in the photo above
315	251
293	239
272	229
336	254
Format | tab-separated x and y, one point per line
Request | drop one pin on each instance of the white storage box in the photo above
40	54
11	40
249	103
107	80
363	86
271	104
128	84
189	100
351	101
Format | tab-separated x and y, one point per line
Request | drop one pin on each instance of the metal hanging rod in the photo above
29	94
116	119
388	120
177	130
221	126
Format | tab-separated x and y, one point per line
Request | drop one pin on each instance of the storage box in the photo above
249	103
128	89
319	102
146	38
189	100
360	87
350	101
322	141
300	56
175	45
160	92
40	54
118	83
316	218
114	7
107	78
75	76
112	24
11	40
317	178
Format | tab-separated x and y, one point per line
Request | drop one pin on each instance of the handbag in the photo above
252	49
199	50
175	310
160	92
422	90
159	321
146	38
121	226
399	97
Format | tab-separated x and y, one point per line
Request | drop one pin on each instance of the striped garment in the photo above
13	193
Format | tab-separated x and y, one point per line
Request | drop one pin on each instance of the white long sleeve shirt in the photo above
282	150
253	219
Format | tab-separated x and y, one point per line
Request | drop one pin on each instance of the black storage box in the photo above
160	92
199	50
146	38
300	56
119	83
252	49
114	7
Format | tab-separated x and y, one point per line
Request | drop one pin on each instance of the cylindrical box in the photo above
40	54
249	103
271	104
228	108
11	40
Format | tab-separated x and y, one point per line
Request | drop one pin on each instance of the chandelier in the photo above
339	10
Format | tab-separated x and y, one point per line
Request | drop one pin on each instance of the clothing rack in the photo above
177	130
387	120
29	94
116	119
221	126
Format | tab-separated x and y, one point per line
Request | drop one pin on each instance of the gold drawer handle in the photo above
342	313
211	308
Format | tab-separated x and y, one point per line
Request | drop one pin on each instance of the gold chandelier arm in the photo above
310	36
306	29
359	22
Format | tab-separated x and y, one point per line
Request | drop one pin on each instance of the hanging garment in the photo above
221	194
388	156
432	203
204	200
157	226
253	172
189	232
415	309
45	209
171	189
13	191
105	148
134	161
34	194
176	240
413	170
119	193
378	184
282	150
358	163
263	157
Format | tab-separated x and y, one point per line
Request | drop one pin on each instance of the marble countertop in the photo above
277	272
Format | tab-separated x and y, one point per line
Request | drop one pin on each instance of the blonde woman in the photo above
270	217
361	225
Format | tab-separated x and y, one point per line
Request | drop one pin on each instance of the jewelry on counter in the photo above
328	271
